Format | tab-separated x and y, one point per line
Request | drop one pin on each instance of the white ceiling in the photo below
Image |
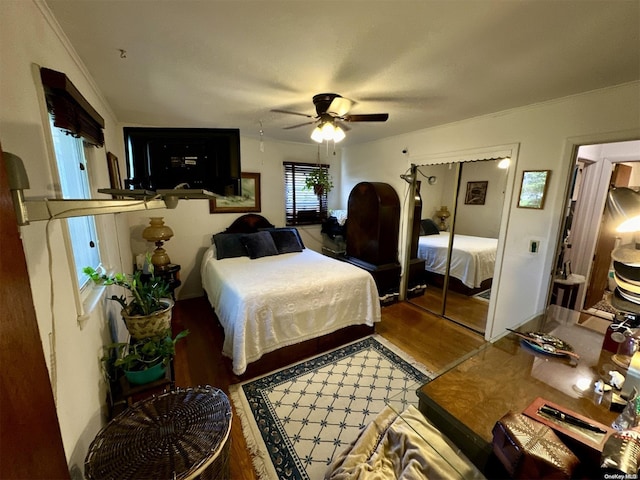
226	64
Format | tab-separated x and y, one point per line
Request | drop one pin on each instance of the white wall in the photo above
546	134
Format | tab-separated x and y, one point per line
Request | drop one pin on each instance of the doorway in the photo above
587	237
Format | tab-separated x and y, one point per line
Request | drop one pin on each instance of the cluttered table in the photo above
515	375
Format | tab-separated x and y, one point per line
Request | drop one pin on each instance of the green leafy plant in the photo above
145	295
141	354
319	181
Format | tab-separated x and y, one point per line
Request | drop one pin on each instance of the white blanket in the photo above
473	259
272	302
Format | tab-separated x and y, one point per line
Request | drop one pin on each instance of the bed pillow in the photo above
428	227
229	245
286	240
286	229
259	244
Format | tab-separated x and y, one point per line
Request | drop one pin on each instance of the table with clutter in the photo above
467	401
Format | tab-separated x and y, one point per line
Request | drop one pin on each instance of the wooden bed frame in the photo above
251	223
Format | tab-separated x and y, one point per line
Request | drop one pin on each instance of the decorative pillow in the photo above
428	227
286	240
259	244
288	229
229	245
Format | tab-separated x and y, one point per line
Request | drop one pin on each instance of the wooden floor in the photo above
431	340
464	309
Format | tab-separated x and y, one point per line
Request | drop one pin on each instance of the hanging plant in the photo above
319	181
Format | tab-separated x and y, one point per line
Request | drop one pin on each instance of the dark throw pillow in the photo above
428	227
259	244
286	229
229	245
286	241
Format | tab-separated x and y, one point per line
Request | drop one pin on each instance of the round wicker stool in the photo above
182	434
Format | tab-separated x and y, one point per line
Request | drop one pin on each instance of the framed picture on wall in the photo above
114	172
476	193
247	201
533	189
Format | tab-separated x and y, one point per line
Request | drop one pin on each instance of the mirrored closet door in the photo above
462	206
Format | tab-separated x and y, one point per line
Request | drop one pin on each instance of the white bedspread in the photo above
472	258
272	302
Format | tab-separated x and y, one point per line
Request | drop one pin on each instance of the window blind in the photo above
302	205
70	110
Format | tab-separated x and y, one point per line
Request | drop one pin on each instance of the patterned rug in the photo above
297	419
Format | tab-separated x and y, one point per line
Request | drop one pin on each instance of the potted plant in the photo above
147	310
319	181
141	361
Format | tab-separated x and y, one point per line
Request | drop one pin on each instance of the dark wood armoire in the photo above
373	229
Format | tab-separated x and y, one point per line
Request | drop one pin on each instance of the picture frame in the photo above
247	201
533	189
115	179
476	193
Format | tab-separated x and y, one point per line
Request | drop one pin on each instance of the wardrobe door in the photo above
373	223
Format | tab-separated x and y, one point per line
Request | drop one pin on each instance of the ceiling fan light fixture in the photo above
316	135
338	134
328	131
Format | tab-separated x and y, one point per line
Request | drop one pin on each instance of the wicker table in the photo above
182	434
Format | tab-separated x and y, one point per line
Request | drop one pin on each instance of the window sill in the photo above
89	302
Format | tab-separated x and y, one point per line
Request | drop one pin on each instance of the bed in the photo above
265	302
472	258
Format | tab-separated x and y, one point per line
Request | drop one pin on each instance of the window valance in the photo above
71	111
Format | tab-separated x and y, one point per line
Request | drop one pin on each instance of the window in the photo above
302	205
74	183
75	127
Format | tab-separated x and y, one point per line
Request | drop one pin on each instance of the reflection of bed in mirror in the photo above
472	260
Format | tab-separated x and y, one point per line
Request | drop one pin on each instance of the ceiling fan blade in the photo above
340	106
299	125
342	125
369	117
292	113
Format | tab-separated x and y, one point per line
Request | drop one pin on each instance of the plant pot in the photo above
145	326
151	374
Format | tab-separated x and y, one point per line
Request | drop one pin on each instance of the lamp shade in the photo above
624	206
316	135
158	233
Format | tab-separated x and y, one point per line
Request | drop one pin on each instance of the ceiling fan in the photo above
331	111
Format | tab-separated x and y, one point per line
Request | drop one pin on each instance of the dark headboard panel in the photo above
249	223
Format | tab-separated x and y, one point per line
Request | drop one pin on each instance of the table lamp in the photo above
158	233
443	214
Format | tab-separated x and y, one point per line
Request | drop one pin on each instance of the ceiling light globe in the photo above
338	135
316	135
327	131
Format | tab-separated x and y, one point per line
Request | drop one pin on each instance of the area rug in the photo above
485	295
297	419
